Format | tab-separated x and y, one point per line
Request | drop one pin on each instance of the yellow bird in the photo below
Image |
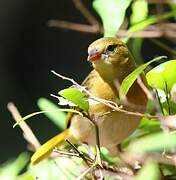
112	62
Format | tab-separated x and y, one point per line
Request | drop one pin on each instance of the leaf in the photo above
150	171
52	112
149	125
112	13
137	14
129	80
168	170
60	168
42	112
162	74
65	102
75	96
153	142
151	20
11	169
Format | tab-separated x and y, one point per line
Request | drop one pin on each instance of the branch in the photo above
74	26
27	132
78	152
110	104
85	12
140	159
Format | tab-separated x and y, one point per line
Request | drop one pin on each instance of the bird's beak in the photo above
94	55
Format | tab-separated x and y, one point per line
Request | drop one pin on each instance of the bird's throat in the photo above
113	74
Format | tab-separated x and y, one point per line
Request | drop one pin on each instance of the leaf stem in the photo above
159	101
167	97
77	151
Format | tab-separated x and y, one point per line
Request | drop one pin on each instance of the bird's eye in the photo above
111	47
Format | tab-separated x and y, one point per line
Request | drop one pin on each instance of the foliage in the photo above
112	13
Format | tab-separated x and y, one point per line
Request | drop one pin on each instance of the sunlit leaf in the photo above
150	171
154	142
10	169
56	116
75	96
151	20
130	79
112	13
150	125
137	14
163	74
61	168
45	150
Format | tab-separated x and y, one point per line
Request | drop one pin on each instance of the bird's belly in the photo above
113	128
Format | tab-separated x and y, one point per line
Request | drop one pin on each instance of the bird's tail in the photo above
45	150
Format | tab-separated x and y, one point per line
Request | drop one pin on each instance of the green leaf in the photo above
153	142
130	79
168	170
59	168
11	169
137	14
151	20
75	96
150	171
162	74
149	125
112	13
26	176
56	116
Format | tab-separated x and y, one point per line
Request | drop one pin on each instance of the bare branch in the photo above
27	132
85	12
77	151
110	104
64	153
140	159
74	26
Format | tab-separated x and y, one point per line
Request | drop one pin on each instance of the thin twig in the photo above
115	107
145	89
159	101
77	151
73	26
86	172
167	97
27	132
110	104
155	32
85	12
64	153
141	158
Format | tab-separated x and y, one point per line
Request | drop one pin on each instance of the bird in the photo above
112	62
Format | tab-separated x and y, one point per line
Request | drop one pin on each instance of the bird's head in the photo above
108	50
111	58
